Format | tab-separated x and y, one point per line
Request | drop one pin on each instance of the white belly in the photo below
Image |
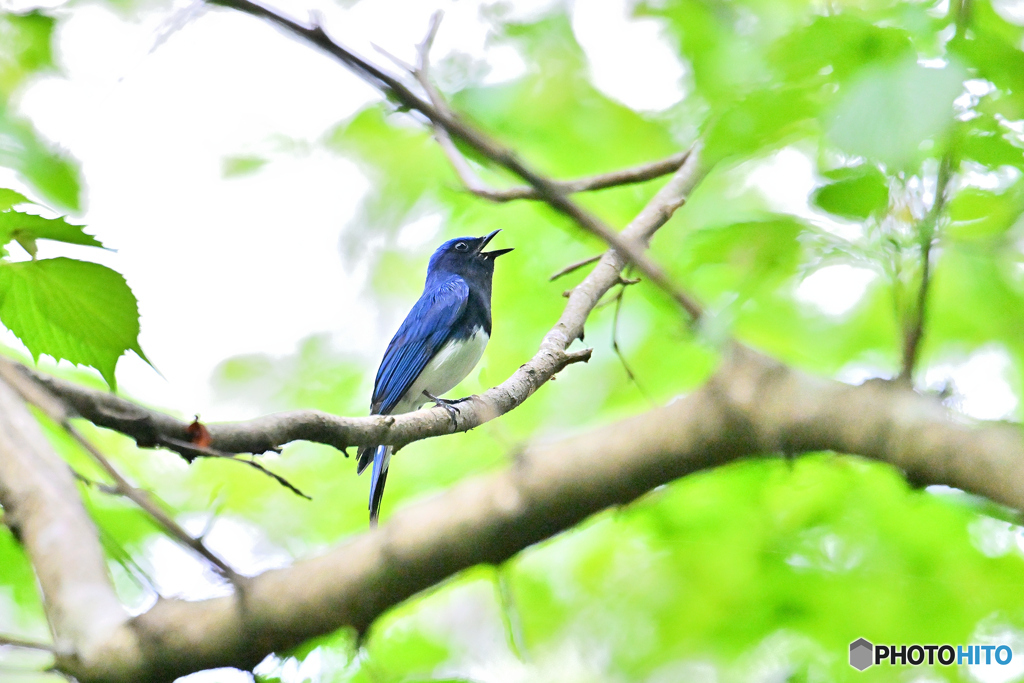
448	367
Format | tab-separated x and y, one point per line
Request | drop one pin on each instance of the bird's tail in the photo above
365	458
381	460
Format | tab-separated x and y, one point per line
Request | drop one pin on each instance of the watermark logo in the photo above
861	654
864	654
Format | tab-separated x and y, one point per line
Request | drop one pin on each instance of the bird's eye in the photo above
461	246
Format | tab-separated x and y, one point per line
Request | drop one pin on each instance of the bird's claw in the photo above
447	405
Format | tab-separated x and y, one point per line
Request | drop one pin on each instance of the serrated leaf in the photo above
74	310
856	193
9	198
27	227
28	243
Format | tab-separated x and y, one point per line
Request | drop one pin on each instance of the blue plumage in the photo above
438	344
422	334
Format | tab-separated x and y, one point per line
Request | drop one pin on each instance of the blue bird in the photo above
438	344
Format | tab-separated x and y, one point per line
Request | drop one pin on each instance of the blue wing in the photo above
421	336
424	332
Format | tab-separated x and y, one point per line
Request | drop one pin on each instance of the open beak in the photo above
491	254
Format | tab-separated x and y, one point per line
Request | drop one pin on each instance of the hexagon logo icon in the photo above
861	654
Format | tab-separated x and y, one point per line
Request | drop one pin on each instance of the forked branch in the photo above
546	189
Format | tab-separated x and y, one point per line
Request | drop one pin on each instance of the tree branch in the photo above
914	328
42	507
626	176
573	267
547	190
37	395
152	428
751	406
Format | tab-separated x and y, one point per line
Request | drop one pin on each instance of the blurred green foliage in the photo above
763	570
68	309
25	50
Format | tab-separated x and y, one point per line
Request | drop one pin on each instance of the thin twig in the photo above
144	501
572	267
276	477
124	558
960	14
421	73
626	176
547	190
191	451
914	330
37	395
15	641
618	350
469	177
93	484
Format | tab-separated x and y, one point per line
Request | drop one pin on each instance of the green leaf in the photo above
837	47
991	47
750	257
724	62
50	172
9	198
977	214
73	310
763	120
856	193
889	111
24	48
987	141
27	227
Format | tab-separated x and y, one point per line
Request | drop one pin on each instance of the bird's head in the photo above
466	256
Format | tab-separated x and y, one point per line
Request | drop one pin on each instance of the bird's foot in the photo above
447	404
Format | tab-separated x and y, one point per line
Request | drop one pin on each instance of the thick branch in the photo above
152	428
547	190
42	506
753	405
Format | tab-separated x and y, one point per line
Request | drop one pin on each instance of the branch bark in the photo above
42	507
627	176
152	428
753	405
38	396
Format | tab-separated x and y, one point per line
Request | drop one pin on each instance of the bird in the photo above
440	342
